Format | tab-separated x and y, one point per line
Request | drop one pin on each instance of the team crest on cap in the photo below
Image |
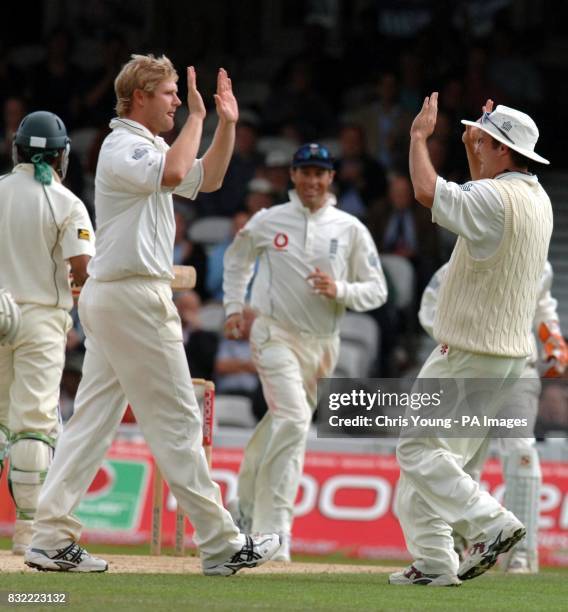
281	241
506	125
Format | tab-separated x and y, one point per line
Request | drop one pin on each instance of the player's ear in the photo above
138	97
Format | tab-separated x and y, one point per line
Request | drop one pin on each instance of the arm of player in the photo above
181	156
366	289
216	159
422	172
79	273
238	269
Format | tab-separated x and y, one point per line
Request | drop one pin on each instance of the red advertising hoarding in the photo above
344	504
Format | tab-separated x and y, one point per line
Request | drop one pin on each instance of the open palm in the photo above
225	101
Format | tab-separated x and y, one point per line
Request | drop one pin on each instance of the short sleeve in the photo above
78	237
191	184
135	165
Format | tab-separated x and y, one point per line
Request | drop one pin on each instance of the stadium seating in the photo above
234	411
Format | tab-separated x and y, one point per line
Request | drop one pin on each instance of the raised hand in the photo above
425	122
225	101
471	133
194	99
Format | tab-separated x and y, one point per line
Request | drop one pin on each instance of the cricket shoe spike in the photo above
257	549
72	558
483	554
412	576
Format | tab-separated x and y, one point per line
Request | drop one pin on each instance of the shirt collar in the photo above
28	168
136	128
331	200
529	178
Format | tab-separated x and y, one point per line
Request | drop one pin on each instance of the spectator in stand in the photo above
411	81
200	345
235	372
56	82
277	171
99	100
318	56
214	274
360	178
244	164
384	122
294	99
477	84
513	70
188	253
402	228
259	195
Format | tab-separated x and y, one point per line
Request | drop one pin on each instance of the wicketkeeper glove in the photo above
555	351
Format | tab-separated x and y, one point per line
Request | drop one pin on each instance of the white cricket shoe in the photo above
257	549
72	558
483	554
22	536
412	576
283	553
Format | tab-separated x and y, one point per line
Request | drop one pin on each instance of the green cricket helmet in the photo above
42	132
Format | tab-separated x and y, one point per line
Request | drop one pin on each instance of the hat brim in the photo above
313	162
495	134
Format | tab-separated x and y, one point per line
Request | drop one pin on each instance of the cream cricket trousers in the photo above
289	365
434	493
134	354
30	371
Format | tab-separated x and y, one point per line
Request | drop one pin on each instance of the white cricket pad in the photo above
29	461
523	479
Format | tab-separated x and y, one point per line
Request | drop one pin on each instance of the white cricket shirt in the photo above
474	211
134	212
290	243
41	227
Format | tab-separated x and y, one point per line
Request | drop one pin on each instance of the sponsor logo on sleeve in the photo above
83	234
139	153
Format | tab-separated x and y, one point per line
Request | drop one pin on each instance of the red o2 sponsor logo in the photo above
281	241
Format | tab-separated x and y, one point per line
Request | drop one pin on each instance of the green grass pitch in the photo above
287	592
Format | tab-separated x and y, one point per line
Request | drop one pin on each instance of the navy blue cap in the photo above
313	154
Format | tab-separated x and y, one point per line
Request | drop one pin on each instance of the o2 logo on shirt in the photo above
281	241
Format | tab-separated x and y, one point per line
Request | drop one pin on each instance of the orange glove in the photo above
554	348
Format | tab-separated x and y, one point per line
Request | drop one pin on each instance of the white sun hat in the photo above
513	128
